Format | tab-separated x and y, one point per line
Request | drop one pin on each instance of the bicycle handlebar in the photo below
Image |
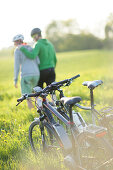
49	88
21	99
78	75
28	95
66	80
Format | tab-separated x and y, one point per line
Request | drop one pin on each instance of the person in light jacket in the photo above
30	73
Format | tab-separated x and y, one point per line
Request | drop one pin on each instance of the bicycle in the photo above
104	117
74	147
79	121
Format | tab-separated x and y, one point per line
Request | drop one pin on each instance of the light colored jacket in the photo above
28	67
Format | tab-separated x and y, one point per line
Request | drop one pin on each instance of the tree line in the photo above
66	36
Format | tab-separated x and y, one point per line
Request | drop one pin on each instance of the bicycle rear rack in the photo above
95	131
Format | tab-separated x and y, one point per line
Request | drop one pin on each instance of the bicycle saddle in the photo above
70	100
92	84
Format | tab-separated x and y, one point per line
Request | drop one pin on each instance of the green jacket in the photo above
45	51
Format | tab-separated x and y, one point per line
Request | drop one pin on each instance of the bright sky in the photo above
20	16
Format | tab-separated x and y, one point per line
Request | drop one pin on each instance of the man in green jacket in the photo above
46	52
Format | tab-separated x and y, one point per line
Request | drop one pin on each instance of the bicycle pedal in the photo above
70	163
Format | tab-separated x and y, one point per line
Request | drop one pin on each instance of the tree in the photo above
59	28
66	36
53	30
109	27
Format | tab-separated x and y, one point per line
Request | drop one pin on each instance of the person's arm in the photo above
31	54
55	59
37	60
16	66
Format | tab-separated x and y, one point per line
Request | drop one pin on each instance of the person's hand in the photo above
16	86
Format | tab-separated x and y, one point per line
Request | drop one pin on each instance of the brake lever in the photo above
18	103
68	83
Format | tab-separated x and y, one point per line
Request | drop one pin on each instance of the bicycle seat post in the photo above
70	114
92	105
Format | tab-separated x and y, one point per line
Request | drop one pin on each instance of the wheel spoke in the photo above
94	156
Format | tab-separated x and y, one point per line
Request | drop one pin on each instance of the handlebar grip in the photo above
78	75
65	81
21	99
29	95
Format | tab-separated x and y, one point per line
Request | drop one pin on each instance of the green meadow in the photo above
15	151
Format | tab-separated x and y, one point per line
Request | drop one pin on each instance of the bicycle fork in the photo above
43	136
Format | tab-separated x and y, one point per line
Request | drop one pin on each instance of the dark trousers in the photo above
46	76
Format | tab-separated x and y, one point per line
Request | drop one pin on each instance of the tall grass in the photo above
15	151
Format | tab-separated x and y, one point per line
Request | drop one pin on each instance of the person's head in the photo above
18	39
36	34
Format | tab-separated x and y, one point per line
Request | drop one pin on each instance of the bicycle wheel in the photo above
42	137
107	121
95	154
110	128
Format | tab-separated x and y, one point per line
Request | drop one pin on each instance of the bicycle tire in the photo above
42	142
95	154
107	122
110	131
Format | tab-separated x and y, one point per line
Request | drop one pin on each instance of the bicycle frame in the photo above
94	112
49	110
66	112
58	128
46	113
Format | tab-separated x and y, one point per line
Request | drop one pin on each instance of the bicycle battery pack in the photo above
62	137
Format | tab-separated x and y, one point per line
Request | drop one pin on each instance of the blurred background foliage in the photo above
67	36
